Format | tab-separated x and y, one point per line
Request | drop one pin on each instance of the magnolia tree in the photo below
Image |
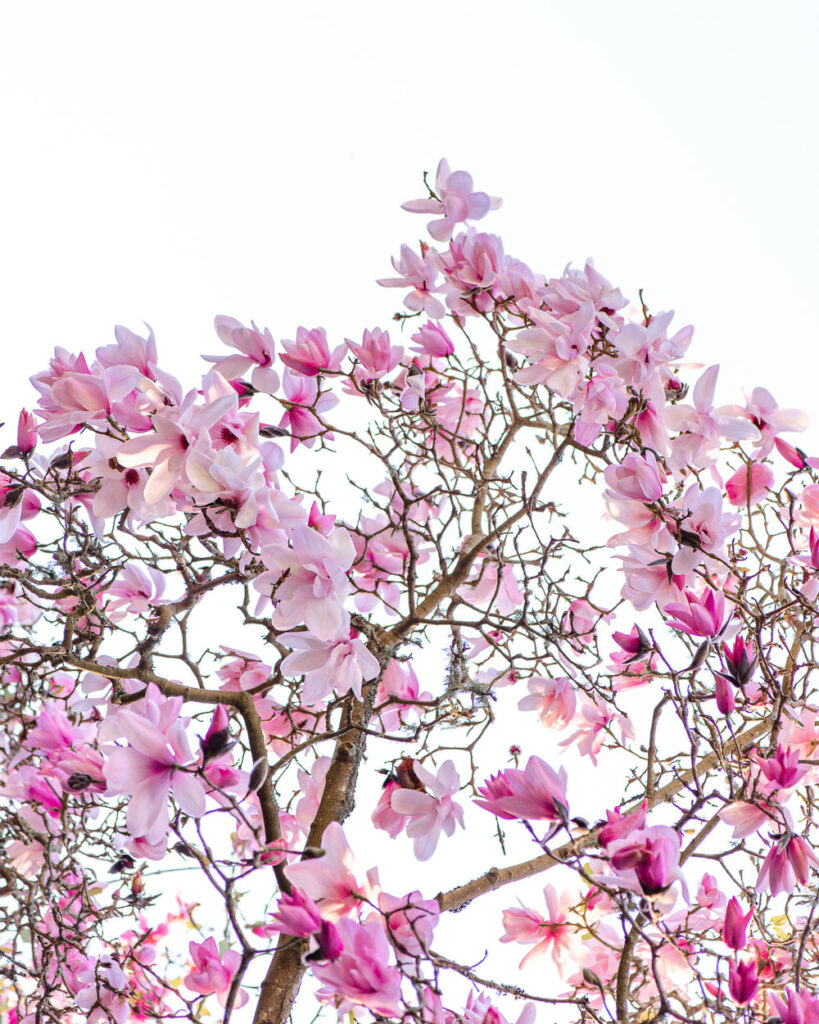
371	577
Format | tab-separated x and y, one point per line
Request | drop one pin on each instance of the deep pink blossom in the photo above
789	860
793	1007
653	854
743	982
536	792
750	484
361	975
701	615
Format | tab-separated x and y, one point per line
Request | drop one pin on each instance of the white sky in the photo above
169	161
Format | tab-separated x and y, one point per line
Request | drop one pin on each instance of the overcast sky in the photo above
170	161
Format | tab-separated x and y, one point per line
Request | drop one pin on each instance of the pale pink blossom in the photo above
454	202
762	410
255	353
593	724
310	355
303	407
421	274
549	935
375	355
555	700
327	665
153	764
410	922
213	973
330	879
430	813
316	585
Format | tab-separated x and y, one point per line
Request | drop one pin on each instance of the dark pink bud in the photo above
736	925
726	702
217	741
787	451
26	433
743	983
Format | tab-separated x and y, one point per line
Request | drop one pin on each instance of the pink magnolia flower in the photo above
619	825
593	723
432	340
177	432
761	409
567	293
213	973
130	350
72	393
375	354
329	879
636	478
421	274
782	771
653	854
316	584
480	1010
152	765
303	406
384	817
501	589
556	349
100	984
327	665
551	935
725	698
788	861
430	813
740	662
746	818
743	982
136	589
735	928
701	615
398	683
296	914
454	202
310	355
701	427
600	400
536	792
709	893
644	348
796	1007
750	484
555	700
255	352
410	922
361	975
